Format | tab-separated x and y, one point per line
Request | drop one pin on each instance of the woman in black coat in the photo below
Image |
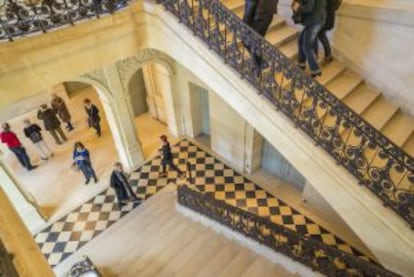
119	182
93	116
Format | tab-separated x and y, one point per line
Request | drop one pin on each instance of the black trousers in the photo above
171	165
260	26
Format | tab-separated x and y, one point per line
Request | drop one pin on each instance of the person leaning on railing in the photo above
258	14
312	15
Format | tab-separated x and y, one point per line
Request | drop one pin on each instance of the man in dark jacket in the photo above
119	182
34	133
10	139
93	116
258	14
51	123
313	15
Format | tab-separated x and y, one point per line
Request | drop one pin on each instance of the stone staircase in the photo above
346	85
156	240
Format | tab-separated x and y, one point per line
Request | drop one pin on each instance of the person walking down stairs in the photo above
11	140
119	182
258	15
167	158
312	15
34	133
331	7
51	123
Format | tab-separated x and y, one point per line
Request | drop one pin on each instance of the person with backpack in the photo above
312	15
33	132
331	7
12	141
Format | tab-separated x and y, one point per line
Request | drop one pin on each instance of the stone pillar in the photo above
253	149
23	201
121	120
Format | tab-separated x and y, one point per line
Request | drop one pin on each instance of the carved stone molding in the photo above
98	75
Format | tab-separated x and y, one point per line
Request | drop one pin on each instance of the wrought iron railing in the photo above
310	252
19	18
379	164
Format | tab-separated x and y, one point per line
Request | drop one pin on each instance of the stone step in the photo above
409	145
330	71
290	49
361	98
399	128
379	112
343	84
279	36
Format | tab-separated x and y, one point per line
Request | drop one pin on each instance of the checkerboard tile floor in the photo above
209	175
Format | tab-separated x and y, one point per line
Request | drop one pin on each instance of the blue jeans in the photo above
87	170
21	155
307	40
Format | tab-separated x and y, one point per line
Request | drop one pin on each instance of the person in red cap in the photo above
10	139
167	157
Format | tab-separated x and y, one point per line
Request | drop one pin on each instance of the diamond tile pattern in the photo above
208	175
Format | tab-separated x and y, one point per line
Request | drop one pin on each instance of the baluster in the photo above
69	13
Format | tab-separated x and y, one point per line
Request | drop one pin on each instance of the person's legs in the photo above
61	133
69	126
326	45
96	125
22	156
260	26
55	136
131	191
46	148
43	154
19	157
174	167
301	52
91	172
84	170
310	35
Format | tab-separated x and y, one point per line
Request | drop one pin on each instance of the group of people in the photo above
52	116
316	16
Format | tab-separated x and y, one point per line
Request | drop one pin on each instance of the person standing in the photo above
82	160
51	123
93	116
11	140
119	182
62	110
258	14
33	132
312	14
167	157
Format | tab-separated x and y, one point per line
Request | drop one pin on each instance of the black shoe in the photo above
70	129
314	75
87	181
32	167
96	180
44	159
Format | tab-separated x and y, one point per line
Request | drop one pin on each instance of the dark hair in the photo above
163	138
87	100
79	144
5	126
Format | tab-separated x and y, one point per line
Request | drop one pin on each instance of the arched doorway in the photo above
56	188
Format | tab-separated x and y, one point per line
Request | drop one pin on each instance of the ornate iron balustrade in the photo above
19	18
373	159
310	252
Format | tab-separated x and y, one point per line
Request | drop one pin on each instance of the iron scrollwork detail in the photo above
301	248
19	18
378	164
